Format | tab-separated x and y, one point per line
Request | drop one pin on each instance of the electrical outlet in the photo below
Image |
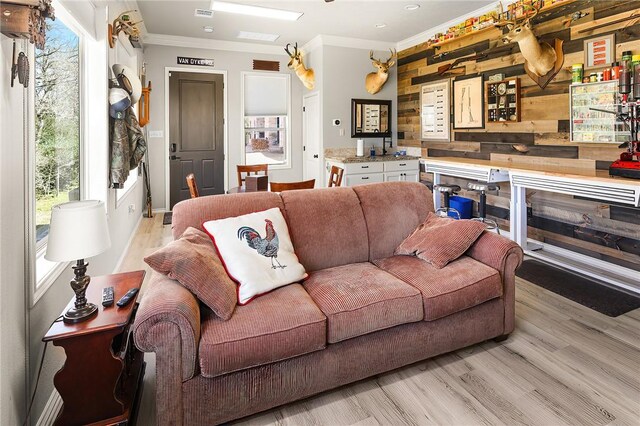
132	208
156	133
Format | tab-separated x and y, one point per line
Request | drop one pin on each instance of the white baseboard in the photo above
51	410
126	247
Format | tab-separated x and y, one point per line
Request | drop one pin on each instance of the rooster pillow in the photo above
256	251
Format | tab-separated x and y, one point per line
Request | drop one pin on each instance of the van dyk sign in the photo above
183	60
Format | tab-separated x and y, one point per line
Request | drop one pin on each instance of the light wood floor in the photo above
564	364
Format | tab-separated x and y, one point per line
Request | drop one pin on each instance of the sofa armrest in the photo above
505	256
168	323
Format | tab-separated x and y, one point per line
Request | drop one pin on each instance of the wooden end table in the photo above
101	380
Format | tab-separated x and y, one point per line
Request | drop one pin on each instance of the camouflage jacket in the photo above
128	146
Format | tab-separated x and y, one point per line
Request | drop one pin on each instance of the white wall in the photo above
343	74
22	326
160	57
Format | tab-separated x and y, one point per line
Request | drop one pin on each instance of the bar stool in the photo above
482	204
447	191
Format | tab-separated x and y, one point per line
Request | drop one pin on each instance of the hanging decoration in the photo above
26	19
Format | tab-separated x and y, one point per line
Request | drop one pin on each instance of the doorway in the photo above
311	139
196	133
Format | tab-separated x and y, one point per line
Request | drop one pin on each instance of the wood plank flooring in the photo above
564	365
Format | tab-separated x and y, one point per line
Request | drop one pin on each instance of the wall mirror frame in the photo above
370	118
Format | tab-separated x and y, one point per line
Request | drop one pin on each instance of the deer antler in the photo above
286	49
295	49
536	10
504	22
393	54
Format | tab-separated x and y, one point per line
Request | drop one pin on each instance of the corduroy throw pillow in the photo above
440	240
193	261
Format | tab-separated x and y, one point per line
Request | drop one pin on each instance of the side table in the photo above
101	380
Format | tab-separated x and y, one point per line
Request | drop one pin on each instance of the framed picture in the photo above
599	51
435	110
468	103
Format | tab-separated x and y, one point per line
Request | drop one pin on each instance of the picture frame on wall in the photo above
599	51
435	110
468	103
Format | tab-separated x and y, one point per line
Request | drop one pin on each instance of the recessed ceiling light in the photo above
381	25
263	12
207	29
412	7
248	35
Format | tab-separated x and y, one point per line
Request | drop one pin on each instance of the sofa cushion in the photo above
257	252
360	298
441	240
327	227
193	261
460	285
279	325
392	211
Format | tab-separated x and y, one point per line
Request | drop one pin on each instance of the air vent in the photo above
266	65
204	13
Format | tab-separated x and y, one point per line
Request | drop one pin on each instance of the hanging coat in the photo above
128	146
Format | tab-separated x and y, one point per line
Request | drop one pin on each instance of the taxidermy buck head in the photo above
306	76
540	57
375	80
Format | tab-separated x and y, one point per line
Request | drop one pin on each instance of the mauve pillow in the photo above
193	261
440	240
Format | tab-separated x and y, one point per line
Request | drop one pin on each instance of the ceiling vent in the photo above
204	13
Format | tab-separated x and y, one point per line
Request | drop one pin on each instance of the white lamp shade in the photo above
78	230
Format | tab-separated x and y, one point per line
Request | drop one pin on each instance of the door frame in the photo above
167	172
321	167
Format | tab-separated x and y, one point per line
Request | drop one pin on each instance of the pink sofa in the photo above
361	312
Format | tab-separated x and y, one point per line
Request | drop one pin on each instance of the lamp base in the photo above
75	315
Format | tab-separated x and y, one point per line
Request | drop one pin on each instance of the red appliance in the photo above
629	163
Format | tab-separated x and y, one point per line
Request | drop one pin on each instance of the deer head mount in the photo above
540	58
375	80
306	75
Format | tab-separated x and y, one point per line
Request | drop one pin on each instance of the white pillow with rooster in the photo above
256	251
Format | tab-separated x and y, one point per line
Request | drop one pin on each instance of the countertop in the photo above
367	159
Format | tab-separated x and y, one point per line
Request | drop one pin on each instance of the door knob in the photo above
315	156
174	157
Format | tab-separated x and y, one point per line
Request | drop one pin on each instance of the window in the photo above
266	106
55	139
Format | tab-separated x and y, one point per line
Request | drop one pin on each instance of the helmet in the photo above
119	101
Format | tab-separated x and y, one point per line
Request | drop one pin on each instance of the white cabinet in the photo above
361	173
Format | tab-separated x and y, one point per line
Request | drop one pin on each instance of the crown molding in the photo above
350	42
426	35
204	43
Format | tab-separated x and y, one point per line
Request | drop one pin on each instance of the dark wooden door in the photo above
196	133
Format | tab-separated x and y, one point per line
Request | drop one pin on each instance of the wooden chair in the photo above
193	186
255	169
288	186
335	177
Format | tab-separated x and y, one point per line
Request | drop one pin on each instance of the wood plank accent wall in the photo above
544	127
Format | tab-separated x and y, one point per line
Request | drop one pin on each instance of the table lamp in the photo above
78	230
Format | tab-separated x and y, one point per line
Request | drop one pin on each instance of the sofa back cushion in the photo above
327	227
392	211
195	211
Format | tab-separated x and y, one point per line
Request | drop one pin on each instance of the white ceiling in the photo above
342	18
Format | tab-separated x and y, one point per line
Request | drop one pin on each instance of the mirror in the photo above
370	118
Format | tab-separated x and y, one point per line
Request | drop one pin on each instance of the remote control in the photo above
107	296
124	300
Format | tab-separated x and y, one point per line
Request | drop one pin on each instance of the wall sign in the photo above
434	110
201	62
599	51
468	102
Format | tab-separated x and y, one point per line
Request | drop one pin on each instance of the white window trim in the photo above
243	153
39	285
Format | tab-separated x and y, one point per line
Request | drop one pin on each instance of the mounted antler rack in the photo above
123	24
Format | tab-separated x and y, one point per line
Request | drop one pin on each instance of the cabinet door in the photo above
411	177
361	179
393	177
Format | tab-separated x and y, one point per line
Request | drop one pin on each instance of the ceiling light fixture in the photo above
381	25
207	29
248	35
263	12
412	7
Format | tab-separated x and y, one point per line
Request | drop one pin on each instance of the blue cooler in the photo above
464	206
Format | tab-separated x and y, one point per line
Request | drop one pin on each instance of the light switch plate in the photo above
156	133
